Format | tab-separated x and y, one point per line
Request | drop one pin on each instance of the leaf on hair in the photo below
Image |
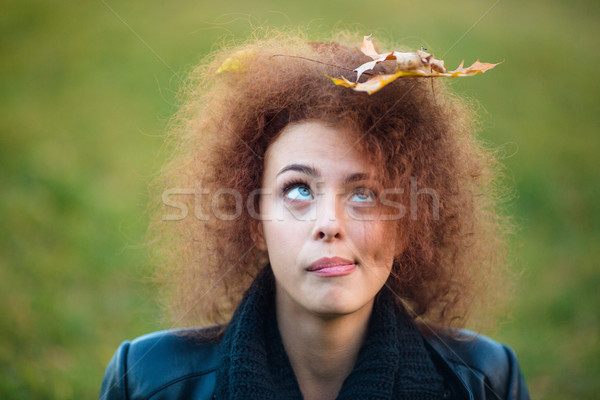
235	63
408	65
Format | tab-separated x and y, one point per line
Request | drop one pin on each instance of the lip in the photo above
332	266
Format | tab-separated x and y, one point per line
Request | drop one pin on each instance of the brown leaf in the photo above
368	49
418	64
371	64
477	67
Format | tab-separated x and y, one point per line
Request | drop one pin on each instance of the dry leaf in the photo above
415	64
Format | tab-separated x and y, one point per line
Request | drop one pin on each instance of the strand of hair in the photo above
320	62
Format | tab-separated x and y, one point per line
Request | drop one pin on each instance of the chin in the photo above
335	304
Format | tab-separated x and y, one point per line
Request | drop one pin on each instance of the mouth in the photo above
334	266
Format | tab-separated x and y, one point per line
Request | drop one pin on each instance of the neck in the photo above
322	349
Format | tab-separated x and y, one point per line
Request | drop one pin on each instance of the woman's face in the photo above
329	251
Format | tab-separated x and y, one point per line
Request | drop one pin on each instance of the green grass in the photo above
83	107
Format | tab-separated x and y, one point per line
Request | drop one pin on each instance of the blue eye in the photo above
362	196
300	192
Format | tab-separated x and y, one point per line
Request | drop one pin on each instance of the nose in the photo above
329	222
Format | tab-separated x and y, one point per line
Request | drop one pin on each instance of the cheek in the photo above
283	239
380	243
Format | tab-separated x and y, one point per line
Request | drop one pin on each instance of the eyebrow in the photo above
356	178
305	169
312	171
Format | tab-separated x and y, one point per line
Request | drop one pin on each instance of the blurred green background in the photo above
87	88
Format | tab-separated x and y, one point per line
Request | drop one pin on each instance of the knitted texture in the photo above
393	363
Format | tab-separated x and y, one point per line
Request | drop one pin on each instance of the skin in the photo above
320	200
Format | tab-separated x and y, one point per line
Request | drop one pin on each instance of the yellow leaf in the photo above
342	82
235	63
377	82
230	64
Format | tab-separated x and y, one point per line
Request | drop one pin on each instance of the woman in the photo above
359	228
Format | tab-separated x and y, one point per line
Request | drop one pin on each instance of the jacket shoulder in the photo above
486	368
166	364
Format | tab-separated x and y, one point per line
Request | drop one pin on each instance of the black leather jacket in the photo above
172	365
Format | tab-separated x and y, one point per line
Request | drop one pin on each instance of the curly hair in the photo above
413	130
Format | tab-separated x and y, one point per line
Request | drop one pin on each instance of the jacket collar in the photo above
456	385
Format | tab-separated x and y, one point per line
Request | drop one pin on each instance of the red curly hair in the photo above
411	129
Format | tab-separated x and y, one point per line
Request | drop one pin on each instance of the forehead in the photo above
317	144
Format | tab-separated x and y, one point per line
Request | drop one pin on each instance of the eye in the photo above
298	191
363	195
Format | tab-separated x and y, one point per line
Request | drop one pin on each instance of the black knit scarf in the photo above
392	363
